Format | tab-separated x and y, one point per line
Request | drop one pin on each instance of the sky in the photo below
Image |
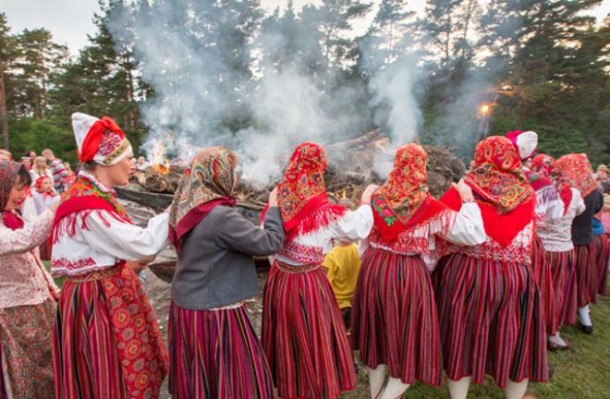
70	21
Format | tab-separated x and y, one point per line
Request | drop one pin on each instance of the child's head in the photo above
40	163
44	184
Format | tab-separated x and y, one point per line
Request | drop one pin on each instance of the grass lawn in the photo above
583	372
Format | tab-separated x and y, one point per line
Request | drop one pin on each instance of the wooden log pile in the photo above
351	169
158	178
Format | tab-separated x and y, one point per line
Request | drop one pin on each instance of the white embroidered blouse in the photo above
23	278
308	249
556	235
104	239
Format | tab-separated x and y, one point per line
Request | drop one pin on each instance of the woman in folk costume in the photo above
395	317
556	237
303	334
214	351
28	295
107	341
578	172
489	303
549	208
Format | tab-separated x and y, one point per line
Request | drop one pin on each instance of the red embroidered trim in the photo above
64	263
306	254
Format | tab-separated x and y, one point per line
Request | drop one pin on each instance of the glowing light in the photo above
484	110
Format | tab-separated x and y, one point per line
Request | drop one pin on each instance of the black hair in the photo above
23	177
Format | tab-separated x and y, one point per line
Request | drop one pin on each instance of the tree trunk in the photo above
3	110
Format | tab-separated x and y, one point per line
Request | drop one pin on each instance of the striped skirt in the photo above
491	321
603	253
26	351
216	354
541	270
586	274
107	340
564	285
304	336
395	321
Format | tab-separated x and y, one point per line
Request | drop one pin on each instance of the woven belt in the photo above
295	269
95	275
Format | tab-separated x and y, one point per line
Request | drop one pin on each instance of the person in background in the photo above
556	237
44	197
603	177
214	351
549	209
342	266
57	168
5	155
578	172
39	169
28	295
71	177
107	340
141	163
27	163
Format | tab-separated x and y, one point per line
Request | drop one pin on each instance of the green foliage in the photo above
34	134
543	65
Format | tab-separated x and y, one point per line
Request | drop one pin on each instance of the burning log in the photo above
158	178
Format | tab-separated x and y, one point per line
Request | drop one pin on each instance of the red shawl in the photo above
301	196
84	195
403	202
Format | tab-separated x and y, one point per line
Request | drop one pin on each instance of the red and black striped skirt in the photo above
541	269
564	285
304	336
395	320
586	274
491	321
216	354
602	249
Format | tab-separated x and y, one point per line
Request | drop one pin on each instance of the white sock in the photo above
394	388
376	379
557	340
515	390
458	389
583	316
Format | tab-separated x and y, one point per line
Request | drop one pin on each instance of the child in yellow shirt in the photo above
343	265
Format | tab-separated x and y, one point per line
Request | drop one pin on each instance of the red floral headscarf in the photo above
403	201
497	176
209	182
301	195
578	172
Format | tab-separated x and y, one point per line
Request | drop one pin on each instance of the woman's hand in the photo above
273	197
368	194
464	190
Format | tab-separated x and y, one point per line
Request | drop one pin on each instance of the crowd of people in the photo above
436	291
